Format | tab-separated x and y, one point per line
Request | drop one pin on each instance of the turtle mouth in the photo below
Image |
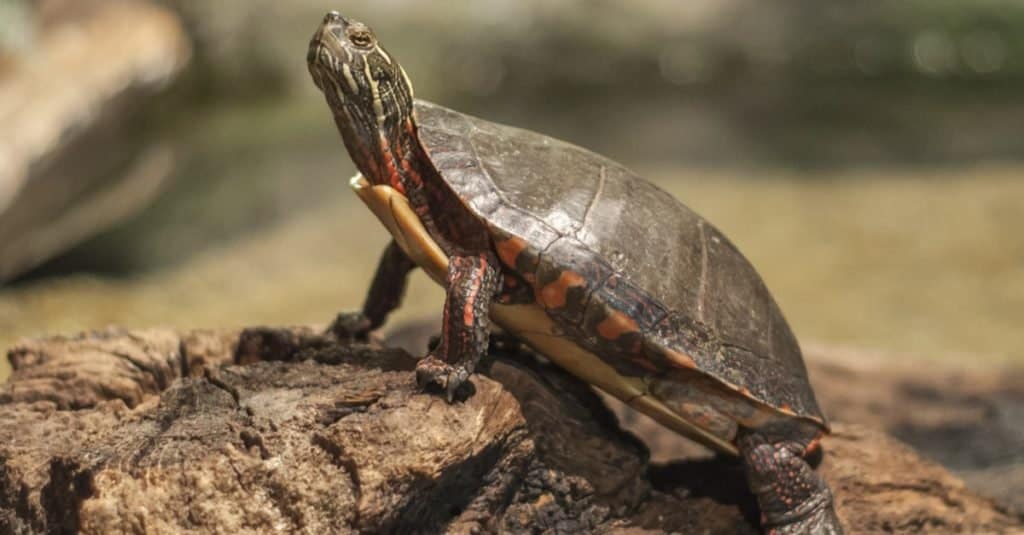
324	59
333	25
314	58
324	50
327	45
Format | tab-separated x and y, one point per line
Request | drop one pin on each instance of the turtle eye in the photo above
361	38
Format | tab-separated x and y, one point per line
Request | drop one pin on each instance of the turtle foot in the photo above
351	327
432	372
822	521
794	499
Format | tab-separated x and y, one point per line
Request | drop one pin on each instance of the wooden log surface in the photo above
285	430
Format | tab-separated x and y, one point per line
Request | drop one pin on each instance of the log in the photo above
288	430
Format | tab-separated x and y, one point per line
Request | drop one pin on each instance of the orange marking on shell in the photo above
555	295
681	359
510	249
813	446
615	325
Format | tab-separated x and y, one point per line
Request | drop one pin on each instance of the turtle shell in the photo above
626	271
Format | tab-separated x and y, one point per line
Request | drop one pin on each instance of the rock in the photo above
75	155
313	435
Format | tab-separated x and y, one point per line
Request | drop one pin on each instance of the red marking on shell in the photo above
555	295
813	446
616	325
510	249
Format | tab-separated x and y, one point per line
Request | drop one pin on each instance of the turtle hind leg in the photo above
385	296
794	499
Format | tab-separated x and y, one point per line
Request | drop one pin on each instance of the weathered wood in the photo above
284	430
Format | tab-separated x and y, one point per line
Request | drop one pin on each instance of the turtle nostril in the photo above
332	16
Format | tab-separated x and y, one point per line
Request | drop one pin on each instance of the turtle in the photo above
597	269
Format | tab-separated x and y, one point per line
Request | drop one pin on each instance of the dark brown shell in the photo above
622	265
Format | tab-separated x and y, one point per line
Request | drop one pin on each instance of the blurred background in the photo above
169	163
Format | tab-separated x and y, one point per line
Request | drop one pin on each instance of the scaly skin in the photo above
371	99
380	134
473	282
793	498
385	295
388	286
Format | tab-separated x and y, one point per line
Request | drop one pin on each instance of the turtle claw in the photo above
351	327
432	372
822	521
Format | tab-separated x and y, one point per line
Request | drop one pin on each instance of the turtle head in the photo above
366	89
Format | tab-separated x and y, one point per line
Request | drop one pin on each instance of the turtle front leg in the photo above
793	498
473	281
385	295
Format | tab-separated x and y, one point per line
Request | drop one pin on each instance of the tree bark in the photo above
285	430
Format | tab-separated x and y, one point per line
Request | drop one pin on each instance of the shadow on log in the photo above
274	430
